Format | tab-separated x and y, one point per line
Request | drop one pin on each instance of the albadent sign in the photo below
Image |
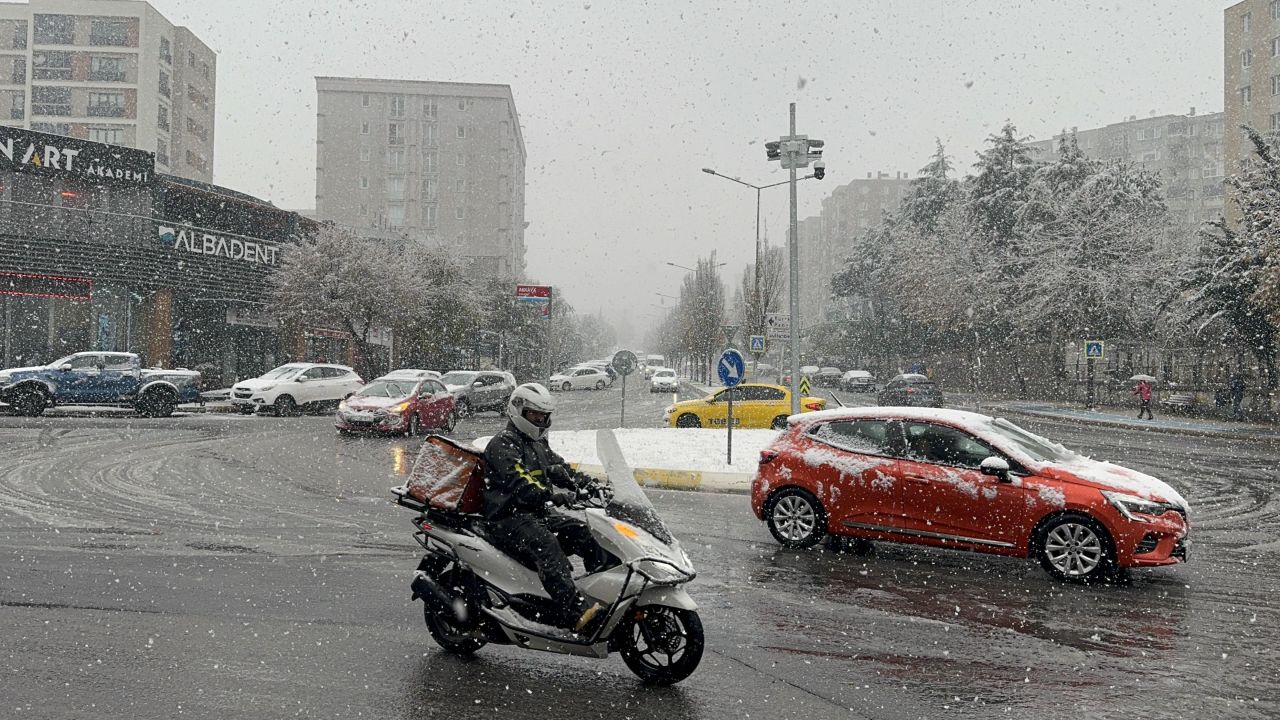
199	242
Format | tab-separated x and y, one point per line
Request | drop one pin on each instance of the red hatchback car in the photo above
962	480
399	406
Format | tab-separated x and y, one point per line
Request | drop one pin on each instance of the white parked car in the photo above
581	378
290	388
664	380
411	374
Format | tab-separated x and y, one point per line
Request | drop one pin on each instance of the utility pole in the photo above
795	151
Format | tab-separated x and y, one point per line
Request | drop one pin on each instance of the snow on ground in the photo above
702	450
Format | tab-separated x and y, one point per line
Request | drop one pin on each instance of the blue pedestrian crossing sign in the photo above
758	345
1093	349
731	368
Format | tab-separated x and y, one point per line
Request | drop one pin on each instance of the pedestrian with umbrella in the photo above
1143	391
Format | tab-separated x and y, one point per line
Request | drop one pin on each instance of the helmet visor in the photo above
537	418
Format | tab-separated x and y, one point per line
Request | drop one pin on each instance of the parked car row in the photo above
98	378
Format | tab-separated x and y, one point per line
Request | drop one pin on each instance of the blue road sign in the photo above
758	344
731	367
1094	349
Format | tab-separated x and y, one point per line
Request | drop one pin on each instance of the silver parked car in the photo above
479	390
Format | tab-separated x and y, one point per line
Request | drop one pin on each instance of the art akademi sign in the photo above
44	154
200	242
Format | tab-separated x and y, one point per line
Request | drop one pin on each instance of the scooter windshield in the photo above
631	505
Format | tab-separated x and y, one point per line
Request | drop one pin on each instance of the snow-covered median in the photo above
692	459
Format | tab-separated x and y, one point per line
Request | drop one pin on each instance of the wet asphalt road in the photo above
223	566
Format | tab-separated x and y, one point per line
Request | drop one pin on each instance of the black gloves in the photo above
563	498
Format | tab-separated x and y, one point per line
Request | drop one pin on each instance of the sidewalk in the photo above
1121	418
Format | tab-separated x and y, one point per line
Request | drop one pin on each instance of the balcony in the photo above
105	111
19	76
51	73
109	37
50	109
107	76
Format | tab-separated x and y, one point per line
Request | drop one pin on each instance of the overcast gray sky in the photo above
623	102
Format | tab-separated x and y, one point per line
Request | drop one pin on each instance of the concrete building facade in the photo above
1251	77
110	71
440	162
1185	150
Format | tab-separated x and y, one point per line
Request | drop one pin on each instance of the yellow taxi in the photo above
755	405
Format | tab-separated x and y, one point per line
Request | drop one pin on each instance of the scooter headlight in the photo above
662	573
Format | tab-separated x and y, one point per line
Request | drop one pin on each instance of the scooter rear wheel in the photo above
445	628
661	645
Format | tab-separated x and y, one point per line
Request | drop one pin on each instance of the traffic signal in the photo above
773	150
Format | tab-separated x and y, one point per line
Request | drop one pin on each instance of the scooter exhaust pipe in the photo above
431	591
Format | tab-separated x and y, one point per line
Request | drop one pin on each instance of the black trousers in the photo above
544	544
1145	407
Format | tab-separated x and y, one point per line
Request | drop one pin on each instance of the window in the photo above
364	208
430	109
197	98
191	59
395	160
757	392
109	32
20	35
459	213
106	104
430	188
55	30
462	132
1275	9
364	154
52	128
19	71
462	104
460	185
397	106
364	182
395	188
1150	157
461	160
111	135
1246	58
50	100
197	130
1275	121
364	100
106	69
429	215
18	106
164	83
364	128
1246	95
166	53
1275	84
162	118
395	133
1246	22
861	436
162	151
429	134
429	161
945	446
197	161
395	216
48	65
1150	133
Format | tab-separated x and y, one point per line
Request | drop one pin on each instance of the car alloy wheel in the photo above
566	387
285	406
464	408
779	423
450	421
30	403
795	518
1074	548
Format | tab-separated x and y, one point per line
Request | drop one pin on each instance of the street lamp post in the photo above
759	250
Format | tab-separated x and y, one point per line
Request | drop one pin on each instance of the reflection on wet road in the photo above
253	567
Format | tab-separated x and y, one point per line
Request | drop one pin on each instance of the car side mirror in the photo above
66	367
996	467
300	379
478	383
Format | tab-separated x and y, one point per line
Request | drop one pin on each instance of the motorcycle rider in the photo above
525	479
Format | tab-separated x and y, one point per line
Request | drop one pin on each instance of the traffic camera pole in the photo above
793	256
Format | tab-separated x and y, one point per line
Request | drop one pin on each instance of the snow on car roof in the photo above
959	418
858	374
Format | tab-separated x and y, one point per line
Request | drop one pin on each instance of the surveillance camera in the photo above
820	169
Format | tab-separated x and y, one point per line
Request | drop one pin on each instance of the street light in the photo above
682	267
757	188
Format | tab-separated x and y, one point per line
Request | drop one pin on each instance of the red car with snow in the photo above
402	403
961	480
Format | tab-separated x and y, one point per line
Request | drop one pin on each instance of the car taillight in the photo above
767	456
910	390
816	405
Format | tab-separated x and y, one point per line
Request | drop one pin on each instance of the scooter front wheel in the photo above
661	645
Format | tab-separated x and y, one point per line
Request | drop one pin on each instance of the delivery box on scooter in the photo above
447	476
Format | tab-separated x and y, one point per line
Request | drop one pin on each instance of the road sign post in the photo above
624	362
731	369
540	297
1094	350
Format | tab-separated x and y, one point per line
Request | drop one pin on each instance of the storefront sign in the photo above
204	243
251	316
55	155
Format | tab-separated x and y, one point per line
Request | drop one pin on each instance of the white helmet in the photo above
530	408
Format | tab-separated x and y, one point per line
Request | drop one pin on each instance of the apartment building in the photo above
110	71
1251	77
439	162
1185	150
848	211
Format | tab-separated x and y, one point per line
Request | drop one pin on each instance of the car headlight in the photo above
4	379
398	408
342	406
1132	506
265	388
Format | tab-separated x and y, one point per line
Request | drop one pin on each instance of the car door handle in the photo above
916	478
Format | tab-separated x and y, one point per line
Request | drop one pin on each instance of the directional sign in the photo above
536	295
732	367
1094	349
804	384
625	362
778	325
759	345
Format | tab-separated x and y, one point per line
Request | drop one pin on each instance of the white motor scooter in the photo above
474	594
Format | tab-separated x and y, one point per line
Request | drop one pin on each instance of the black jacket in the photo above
521	474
